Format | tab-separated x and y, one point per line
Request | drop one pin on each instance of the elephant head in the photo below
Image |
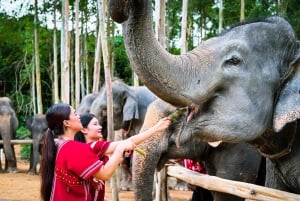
8	127
37	126
129	106
233	83
235	161
86	102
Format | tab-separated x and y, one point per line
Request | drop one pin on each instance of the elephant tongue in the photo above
193	110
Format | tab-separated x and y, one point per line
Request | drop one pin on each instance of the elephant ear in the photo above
288	106
130	109
28	122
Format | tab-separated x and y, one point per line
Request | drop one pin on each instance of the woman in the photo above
67	165
91	133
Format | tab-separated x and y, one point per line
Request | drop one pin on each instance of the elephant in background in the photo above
8	126
129	108
240	86
239	162
37	126
86	102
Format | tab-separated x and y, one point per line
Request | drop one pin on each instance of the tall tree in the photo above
220	27
107	72
55	67
65	53
37	60
160	16
97	62
242	16
184	26
77	55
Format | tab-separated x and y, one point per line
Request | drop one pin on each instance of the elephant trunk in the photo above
164	74
7	135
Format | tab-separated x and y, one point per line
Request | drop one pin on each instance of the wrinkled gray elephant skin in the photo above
37	126
129	106
129	109
240	86
8	127
86	102
239	162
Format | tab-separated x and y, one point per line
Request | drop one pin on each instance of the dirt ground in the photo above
24	187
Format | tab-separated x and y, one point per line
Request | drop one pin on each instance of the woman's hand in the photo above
162	124
126	145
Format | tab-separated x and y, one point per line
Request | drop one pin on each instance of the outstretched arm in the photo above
161	125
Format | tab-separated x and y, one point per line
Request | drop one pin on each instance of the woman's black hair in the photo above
85	120
55	116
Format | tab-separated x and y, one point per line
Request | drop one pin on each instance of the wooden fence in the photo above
29	141
250	192
240	189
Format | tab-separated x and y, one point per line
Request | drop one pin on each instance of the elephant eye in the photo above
234	60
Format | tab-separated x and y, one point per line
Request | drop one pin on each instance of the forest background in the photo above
50	50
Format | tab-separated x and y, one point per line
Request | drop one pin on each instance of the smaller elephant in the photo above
129	108
8	126
37	125
239	162
86	102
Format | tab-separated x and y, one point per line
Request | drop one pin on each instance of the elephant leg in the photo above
201	194
126	179
31	160
10	160
1	156
225	197
273	179
34	157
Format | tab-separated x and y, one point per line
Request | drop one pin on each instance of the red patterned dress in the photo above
75	165
97	187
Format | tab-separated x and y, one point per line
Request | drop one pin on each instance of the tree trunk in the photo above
33	87
65	54
77	56
184	26
160	12
242	16
220	15
55	67
97	62
107	72
37	61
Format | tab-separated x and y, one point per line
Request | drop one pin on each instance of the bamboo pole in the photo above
241	189
29	141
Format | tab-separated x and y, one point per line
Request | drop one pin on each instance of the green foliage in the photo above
24	133
122	68
17	50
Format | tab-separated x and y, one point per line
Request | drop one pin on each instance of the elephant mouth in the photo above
192	111
188	129
183	120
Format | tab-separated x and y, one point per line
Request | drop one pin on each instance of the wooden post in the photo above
241	189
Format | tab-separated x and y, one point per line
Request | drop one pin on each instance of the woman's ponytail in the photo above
47	165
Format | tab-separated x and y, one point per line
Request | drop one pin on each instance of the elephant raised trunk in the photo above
157	68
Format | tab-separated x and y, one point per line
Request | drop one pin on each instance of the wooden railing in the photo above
29	141
240	189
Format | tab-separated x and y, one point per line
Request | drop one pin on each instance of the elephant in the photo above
37	126
86	102
8	126
240	86
235	161
129	108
